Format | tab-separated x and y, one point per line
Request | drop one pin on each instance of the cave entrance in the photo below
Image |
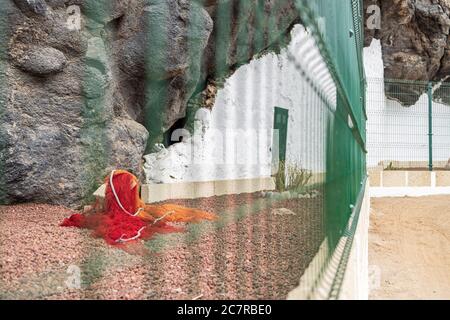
167	138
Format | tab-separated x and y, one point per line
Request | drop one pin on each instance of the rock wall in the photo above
415	42
77	102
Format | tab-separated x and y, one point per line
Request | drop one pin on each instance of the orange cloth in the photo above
125	216
175	213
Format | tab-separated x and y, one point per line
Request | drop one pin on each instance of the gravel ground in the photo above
251	252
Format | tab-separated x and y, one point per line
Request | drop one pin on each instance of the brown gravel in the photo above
250	253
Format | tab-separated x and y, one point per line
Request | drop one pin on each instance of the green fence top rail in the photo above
337	27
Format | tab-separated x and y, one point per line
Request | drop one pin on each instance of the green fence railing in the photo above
337	28
408	124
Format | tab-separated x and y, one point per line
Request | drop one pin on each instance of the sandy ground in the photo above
409	248
250	253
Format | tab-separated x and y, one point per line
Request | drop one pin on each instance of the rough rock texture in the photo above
415	41
32	6
77	102
169	70
42	61
251	26
61	131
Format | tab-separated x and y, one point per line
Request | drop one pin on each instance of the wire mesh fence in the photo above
408	124
261	103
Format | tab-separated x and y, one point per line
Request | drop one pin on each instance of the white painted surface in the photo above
397	133
380	192
356	280
234	141
373	60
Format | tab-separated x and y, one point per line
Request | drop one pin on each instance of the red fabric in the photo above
115	224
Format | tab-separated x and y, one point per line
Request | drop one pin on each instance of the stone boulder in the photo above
61	127
41	61
167	53
414	37
38	7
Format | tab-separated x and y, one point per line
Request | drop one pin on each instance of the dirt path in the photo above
409	248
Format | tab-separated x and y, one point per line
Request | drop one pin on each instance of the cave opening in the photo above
169	138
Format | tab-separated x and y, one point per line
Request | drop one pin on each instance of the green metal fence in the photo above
255	249
408	124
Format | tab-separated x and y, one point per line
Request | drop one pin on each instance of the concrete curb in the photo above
151	193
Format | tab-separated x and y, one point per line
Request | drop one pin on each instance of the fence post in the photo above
430	126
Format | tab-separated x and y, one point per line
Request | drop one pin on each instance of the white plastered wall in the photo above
235	139
397	133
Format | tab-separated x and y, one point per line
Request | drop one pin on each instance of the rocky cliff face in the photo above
415	41
89	85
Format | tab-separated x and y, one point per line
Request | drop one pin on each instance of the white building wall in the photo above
397	133
234	140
